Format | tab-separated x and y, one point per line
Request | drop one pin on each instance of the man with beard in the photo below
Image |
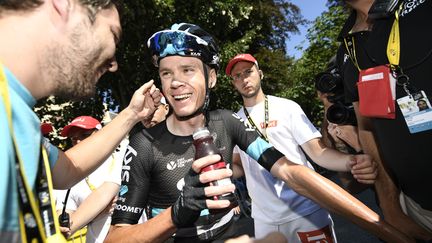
159	158
53	47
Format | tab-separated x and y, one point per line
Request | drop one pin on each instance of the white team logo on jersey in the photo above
130	153
180	184
171	165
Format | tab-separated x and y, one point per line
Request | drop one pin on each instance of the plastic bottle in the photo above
204	146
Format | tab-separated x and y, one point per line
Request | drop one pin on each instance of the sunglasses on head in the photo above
164	43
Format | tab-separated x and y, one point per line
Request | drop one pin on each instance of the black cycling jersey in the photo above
156	162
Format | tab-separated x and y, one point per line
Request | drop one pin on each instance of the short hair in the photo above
93	6
23	5
19	4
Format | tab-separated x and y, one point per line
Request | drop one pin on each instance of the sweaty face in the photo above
183	83
246	79
77	63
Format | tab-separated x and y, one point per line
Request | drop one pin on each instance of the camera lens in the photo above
341	115
324	82
327	82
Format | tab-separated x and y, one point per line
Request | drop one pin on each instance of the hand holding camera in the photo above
330	83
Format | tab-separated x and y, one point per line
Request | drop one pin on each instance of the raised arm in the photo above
81	160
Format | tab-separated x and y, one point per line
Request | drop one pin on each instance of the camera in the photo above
330	82
341	114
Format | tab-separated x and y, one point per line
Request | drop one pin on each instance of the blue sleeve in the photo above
52	151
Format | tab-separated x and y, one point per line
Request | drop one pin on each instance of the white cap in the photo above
200	133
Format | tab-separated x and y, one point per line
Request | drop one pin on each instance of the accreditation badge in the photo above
417	111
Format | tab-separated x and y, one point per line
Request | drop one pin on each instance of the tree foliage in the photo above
322	37
258	27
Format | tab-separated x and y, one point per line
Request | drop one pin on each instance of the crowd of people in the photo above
136	179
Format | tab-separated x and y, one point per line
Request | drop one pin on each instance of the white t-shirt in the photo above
274	202
109	171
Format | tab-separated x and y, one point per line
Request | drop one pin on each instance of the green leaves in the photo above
258	27
322	37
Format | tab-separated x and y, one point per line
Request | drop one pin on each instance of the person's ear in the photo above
212	78
166	107
62	8
261	74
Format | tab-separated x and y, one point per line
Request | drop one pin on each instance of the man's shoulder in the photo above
281	101
220	114
149	134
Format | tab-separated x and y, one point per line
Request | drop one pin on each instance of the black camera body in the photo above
330	82
64	220
341	114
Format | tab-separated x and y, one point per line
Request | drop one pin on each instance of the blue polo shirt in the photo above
27	132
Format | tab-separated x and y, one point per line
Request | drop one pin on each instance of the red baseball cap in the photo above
84	122
240	58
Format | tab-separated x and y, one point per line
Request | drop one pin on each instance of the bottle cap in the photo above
200	133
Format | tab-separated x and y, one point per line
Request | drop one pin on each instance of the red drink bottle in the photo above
204	146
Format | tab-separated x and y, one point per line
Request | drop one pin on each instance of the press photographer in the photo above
339	126
330	84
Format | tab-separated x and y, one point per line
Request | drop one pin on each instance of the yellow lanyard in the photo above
33	227
263	134
393	45
350	48
111	167
5	95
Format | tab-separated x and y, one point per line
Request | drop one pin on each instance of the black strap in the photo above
32	228
266	120
350	48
